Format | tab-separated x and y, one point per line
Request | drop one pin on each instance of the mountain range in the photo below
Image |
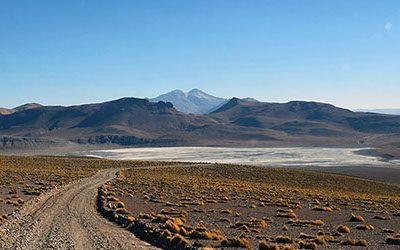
5	111
235	122
381	111
195	101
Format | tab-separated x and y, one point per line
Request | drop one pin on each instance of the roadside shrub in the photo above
236	242
356	218
343	229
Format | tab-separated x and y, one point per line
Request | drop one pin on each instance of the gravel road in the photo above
66	218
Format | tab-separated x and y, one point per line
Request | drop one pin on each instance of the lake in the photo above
289	156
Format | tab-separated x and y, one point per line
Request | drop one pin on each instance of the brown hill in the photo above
4	111
305	118
133	121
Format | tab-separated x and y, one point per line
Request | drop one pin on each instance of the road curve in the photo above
66	218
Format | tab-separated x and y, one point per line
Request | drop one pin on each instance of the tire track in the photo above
66	218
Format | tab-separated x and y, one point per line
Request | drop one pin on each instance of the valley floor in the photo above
190	205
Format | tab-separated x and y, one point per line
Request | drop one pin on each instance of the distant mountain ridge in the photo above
245	122
4	111
195	101
381	111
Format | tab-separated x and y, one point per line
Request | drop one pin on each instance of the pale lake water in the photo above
275	157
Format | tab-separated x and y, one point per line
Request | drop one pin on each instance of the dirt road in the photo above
66	218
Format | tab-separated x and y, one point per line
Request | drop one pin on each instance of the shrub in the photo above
320	240
236	242
306	236
393	240
356	218
286	215
352	242
343	229
179	241
122	211
325	209
171	226
365	227
388	230
226	211
263	245
284	239
306	223
377	217
206	235
307	245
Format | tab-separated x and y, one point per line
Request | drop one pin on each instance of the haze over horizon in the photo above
65	53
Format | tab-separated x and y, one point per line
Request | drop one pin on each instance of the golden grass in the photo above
263	245
356	218
366	227
218	193
307	245
306	223
284	239
236	242
393	240
178	241
324	209
352	242
31	176
343	229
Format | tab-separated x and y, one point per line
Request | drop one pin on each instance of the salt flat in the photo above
276	157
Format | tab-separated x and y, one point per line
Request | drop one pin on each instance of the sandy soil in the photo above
224	203
66	218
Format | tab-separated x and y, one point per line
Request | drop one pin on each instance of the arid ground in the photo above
82	203
357	162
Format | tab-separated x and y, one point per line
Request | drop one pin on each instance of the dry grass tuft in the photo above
263	245
236	242
378	217
284	239
172	227
356	218
393	240
206	235
286	215
343	229
306	236
307	245
320	240
388	231
324	209
226	211
306	223
365	227
178	241
352	242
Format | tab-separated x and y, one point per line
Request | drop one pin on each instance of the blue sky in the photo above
70	52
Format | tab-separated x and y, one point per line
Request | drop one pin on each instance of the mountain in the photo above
381	111
238	122
129	117
195	101
305	118
27	106
4	111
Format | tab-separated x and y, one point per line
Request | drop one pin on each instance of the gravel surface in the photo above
66	218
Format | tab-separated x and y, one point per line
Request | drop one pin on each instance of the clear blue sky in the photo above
70	52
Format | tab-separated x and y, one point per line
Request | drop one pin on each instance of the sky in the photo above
82	51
